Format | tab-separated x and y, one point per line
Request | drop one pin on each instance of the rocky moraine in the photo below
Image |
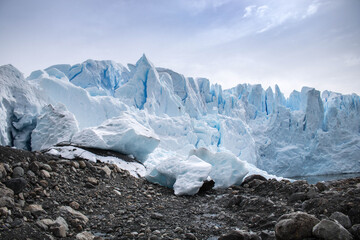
47	197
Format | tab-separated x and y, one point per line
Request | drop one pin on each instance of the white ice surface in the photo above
55	124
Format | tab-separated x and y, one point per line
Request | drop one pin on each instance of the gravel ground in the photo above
46	197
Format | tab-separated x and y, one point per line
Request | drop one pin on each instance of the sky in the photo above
291	43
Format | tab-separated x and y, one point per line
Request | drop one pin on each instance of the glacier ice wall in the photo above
20	103
307	133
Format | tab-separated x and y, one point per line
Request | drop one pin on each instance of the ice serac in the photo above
122	134
146	89
89	111
99	78
311	140
55	124
226	168
19	105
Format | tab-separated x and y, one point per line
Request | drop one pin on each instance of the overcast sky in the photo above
292	43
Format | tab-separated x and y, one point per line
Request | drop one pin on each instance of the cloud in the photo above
249	11
262	10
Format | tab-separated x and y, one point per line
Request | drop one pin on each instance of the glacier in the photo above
184	130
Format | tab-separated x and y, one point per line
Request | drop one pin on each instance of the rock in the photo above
5	191
105	171
355	231
30	173
341	218
3	172
58	230
190	236
35	210
74	205
34	166
239	235
82	164
41	225
178	230
44	173
44	183
75	164
92	180
18	172
156	215
7	202
46	167
85	236
17	223
319	204
16	184
4	211
73	214
61	222
45	223
299	196
330	230
295	226
253	177
321	186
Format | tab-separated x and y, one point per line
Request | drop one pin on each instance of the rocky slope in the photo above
46	197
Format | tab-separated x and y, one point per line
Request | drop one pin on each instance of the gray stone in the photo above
34	166
30	173
93	180
321	186
16	184
61	222
105	171
5	191
85	236
46	167
295	226
330	230
59	231
341	218
4	211
253	177
18	172
44	173
35	210
69	212
7	202
3	172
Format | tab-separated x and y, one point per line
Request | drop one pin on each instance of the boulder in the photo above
18	172
16	184
251	178
341	218
295	226
330	230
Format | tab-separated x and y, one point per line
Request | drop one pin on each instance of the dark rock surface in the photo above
58	202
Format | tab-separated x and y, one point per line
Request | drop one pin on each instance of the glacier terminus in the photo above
183	130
